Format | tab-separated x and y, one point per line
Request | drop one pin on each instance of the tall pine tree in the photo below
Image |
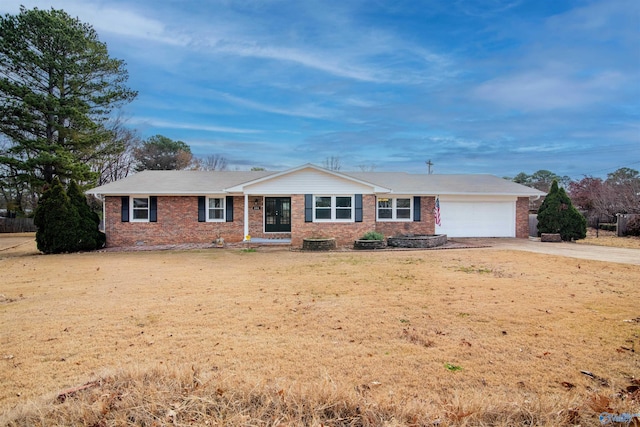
58	87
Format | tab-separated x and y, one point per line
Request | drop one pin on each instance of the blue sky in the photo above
482	86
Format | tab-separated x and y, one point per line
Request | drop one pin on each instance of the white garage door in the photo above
480	218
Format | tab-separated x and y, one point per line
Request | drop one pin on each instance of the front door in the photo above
277	214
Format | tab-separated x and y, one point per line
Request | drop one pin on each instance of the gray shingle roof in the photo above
216	182
178	182
463	184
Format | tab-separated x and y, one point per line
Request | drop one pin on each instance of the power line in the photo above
612	169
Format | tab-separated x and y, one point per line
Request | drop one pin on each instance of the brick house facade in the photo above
166	207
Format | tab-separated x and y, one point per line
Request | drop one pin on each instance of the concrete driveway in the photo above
572	250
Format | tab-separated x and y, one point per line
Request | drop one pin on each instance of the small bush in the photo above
633	226
372	235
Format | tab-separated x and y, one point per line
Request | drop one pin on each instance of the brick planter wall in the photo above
318	244
369	244
418	241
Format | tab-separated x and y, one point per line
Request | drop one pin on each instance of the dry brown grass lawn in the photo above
609	238
278	337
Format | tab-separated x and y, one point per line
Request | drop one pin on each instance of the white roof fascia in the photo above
157	193
240	187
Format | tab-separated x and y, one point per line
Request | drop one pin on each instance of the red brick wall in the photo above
522	218
177	223
346	233
425	226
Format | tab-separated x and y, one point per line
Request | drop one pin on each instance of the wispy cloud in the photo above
547	91
163	124
306	110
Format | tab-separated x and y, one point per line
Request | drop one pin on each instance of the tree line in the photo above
599	200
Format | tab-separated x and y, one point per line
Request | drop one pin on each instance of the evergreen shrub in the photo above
57	220
558	215
65	221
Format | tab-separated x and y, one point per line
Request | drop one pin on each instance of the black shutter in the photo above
202	217
153	209
416	208
308	208
358	217
124	212
229	208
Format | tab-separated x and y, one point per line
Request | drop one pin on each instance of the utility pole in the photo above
429	164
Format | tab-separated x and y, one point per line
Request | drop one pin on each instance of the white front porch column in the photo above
246	216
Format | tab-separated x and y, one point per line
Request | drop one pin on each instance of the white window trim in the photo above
224	209
131	208
394	209
334	208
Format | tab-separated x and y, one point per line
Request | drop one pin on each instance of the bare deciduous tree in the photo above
367	168
602	200
332	163
212	162
115	158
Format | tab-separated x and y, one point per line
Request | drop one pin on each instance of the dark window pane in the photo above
323	202
323	213
403	203
140	203
384	213
140	214
403	213
343	202
343	213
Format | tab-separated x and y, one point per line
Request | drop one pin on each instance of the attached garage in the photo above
477	216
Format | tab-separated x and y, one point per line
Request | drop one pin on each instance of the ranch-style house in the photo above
168	207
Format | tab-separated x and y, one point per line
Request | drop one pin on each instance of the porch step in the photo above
263	241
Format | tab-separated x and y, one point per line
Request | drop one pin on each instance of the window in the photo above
394	209
215	209
140	209
343	207
323	207
333	208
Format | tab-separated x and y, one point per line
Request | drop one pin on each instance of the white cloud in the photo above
114	18
154	122
308	110
545	90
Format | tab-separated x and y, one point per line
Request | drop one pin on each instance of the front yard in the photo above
275	336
